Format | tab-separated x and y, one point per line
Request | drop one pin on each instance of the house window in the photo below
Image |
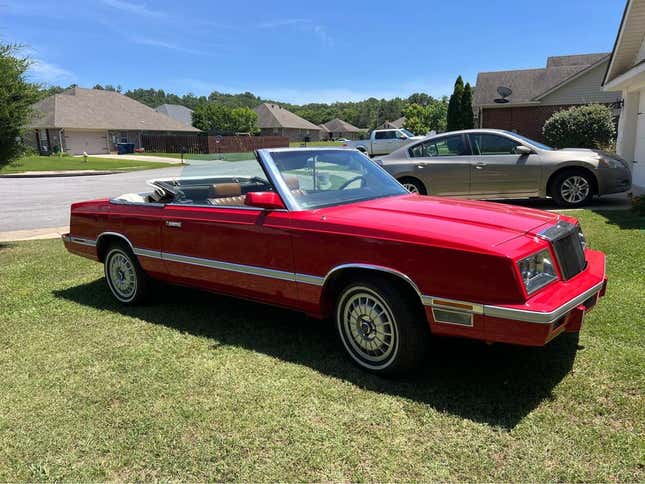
123	137
42	137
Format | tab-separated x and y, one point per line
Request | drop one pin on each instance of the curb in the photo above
60	174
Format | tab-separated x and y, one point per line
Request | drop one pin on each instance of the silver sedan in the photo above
489	163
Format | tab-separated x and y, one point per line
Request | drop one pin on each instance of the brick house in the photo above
538	93
274	120
93	121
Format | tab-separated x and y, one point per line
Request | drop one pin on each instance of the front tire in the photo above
572	188
380	328
124	276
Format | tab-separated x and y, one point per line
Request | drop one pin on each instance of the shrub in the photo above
590	126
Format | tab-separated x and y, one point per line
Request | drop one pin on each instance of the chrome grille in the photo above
567	245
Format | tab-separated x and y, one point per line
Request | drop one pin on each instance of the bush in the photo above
590	126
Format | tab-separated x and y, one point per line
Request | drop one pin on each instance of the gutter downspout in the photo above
60	140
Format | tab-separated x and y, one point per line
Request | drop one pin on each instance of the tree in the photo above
17	96
467	121
422	119
454	106
590	126
244	120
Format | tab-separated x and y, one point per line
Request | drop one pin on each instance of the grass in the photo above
64	163
199	387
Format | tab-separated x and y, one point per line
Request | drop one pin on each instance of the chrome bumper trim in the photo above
82	241
538	317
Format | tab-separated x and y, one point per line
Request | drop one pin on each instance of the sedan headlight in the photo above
537	270
609	162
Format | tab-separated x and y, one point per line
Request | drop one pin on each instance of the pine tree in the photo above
467	121
454	106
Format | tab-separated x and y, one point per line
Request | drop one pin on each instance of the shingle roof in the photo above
273	116
339	126
177	112
97	109
323	128
629	39
396	124
528	84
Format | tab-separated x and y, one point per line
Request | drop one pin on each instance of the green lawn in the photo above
198	387
56	163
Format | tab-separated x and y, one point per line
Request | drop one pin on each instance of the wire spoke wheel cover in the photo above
367	327
121	276
575	189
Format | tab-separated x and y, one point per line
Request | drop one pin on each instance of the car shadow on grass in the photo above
624	219
497	385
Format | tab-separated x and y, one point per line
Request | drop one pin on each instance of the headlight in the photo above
537	270
608	162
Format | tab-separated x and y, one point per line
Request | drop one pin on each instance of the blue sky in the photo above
300	51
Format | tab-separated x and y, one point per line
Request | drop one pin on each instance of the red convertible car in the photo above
328	232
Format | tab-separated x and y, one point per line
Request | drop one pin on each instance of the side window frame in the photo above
471	143
464	139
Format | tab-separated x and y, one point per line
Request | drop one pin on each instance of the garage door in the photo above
639	148
90	142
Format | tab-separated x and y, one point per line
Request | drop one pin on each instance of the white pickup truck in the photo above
383	141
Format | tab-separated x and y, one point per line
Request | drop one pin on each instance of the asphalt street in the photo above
38	203
34	203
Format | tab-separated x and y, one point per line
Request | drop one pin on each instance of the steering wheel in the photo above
350	181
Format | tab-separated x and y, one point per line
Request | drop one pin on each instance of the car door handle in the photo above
480	165
172	223
421	166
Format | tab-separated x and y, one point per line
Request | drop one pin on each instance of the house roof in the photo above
177	112
273	116
396	124
323	128
629	40
340	126
529	84
98	109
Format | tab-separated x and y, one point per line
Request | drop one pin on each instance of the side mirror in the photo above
266	200
523	150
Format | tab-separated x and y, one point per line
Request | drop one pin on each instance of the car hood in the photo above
462	224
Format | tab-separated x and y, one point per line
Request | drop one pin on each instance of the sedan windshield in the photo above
319	178
530	141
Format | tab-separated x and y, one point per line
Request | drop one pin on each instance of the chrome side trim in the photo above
538	317
153	254
229	266
83	241
308	279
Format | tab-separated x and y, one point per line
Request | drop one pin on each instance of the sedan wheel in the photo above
572	189
124	276
413	185
380	327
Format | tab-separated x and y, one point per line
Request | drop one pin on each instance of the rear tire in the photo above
413	185
380	328
572	188
125	278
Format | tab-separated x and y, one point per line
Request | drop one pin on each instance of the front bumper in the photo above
558	308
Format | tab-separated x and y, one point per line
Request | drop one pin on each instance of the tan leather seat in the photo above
293	183
226	194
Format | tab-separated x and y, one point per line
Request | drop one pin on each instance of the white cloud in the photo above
134	8
152	42
47	73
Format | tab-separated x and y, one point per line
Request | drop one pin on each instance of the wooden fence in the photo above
200	143
240	144
161	143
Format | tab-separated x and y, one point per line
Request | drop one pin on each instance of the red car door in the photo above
243	251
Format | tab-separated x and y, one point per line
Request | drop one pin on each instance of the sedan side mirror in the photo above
523	150
266	200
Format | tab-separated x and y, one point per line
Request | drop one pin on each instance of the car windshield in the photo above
407	133
530	141
319	178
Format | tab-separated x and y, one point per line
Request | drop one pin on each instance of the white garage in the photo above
77	142
626	73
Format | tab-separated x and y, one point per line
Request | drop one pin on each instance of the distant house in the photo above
337	128
396	124
324	132
274	120
626	73
535	94
177	112
93	121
